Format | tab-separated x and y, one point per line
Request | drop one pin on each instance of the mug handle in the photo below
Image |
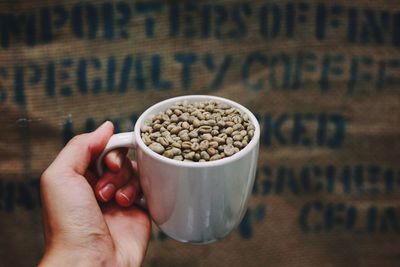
116	141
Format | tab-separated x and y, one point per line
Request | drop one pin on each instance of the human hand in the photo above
80	231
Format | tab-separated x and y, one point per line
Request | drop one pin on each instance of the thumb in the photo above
82	149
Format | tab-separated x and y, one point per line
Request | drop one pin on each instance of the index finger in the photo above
115	159
82	149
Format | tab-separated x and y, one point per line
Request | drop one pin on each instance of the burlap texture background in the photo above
323	77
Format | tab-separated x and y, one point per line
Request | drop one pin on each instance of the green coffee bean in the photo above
156	147
198	131
178	158
168	154
186	145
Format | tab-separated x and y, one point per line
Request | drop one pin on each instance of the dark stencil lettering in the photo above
85	16
92	21
390	221
352	25
331	65
117	125
133	118
260	213
358	178
156	74
219	71
34	184
304	63
30	29
10	25
273	129
96	83
388	74
108	21
281	63
161	236
286	176
90	125
346	179
305	180
174	19
320	22
19	85
304	10
9	195
270	21
389	180
239	15
372	29
221	17
36	74
50	20
314	207
148	8
65	65
290	22
338	122
187	60
50	81
330	178
255	189
3	90
68	131
82	75
189	19
374	176
123	18
299	133
206	21
77	20
46	25
333	215
316	217
19	194
396	29
125	73
2	195
351	218
24	197
140	78
111	69
252	59
245	227
372	215
267	182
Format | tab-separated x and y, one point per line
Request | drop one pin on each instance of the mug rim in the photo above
251	145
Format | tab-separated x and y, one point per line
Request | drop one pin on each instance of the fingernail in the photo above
104	124
118	158
124	196
107	192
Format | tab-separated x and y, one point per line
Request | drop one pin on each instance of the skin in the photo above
89	221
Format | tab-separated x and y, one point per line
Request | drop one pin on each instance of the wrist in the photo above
65	257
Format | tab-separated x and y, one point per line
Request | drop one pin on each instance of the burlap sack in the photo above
322	76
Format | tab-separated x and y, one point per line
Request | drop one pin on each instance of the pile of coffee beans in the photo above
200	131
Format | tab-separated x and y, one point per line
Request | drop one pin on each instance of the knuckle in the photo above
45	177
77	139
111	154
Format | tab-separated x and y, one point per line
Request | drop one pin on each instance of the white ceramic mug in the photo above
196	202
